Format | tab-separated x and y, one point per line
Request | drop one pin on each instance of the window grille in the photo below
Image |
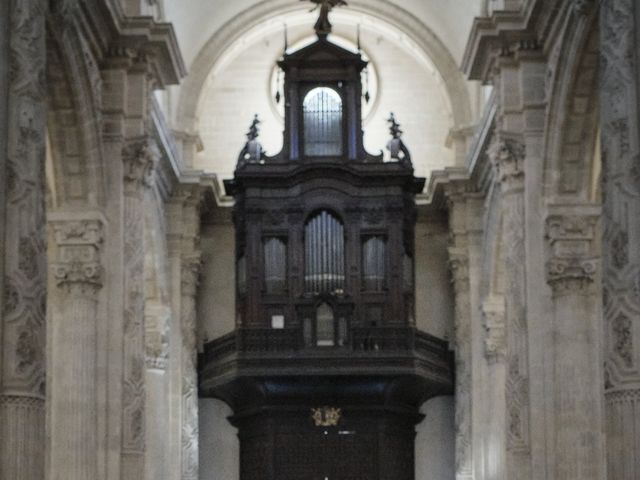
322	109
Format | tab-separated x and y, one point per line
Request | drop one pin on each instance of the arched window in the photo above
324	254
322	109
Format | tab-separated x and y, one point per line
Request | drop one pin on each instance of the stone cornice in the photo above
442	183
504	34
106	27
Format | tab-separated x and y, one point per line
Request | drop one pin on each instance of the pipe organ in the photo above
326	369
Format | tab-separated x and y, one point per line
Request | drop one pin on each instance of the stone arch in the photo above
458	93
572	127
73	119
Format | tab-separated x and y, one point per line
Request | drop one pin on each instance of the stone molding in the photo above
622	396
572	259
153	42
35	404
79	243
500	35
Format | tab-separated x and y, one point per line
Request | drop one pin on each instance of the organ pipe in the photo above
324	254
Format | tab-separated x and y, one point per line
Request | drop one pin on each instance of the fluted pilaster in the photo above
572	269
508	156
572	272
139	156
183	218
78	273
22	366
191	260
459	267
620	124
190	271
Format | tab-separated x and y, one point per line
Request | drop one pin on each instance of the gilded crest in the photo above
326	416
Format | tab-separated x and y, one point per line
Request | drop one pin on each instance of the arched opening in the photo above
322	112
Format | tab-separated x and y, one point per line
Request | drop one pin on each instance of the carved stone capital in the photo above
494	323
507	156
78	263
140	157
572	261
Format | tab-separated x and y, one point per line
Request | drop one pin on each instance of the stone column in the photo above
22	367
577	385
157	319
139	156
459	265
174	246
189	282
495	441
77	271
508	156
620	124
183	213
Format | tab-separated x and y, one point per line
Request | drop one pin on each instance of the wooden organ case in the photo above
326	369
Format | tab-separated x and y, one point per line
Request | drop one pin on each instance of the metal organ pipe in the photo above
324	255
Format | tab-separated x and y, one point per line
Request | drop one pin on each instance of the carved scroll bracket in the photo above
459	266
507	156
494	323
157	320
78	268
571	239
190	274
140	157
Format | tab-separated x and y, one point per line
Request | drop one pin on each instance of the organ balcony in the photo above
284	356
